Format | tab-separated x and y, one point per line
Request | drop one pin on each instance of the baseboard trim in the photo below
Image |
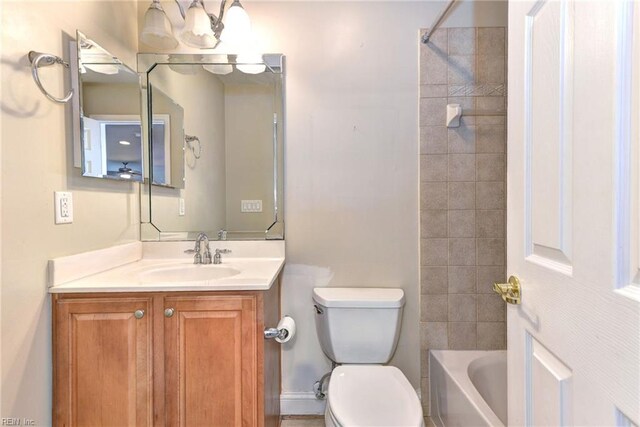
301	403
305	403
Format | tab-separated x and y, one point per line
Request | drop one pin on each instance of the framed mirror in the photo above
232	145
107	120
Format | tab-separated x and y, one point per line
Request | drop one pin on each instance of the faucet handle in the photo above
223	251
190	251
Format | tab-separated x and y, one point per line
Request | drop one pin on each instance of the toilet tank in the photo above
358	325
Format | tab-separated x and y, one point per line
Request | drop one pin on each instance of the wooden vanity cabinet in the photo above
166	359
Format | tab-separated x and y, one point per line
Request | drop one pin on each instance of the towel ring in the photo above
39	59
190	139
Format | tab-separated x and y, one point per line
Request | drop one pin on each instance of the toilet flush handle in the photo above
318	309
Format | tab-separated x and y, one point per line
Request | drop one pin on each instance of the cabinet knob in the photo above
139	314
169	312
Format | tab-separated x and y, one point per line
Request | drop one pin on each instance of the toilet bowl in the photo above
371	396
359	329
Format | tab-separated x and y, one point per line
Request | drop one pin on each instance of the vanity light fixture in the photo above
201	28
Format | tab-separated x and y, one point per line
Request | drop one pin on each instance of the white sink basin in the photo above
187	273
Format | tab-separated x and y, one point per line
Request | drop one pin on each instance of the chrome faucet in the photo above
217	258
199	257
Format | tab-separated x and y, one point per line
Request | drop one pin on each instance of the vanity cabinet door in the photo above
211	376
103	369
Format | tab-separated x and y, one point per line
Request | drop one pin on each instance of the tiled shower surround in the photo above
462	192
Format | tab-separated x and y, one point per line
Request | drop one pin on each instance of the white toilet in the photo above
359	328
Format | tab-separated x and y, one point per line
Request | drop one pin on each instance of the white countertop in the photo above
138	267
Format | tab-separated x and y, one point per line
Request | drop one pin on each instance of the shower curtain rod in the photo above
436	23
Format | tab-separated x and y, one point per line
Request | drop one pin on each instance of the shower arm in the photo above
437	22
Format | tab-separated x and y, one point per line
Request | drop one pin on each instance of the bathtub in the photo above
468	388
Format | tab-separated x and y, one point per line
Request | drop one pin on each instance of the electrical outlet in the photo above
251	206
181	207
63	201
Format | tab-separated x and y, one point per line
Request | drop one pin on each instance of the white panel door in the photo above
573	224
95	161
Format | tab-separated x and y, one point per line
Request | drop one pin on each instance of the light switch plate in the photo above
63	201
251	206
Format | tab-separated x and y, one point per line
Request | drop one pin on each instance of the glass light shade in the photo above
218	68
197	27
156	30
237	25
250	63
179	65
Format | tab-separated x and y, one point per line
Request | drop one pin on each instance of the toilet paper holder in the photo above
272	333
282	333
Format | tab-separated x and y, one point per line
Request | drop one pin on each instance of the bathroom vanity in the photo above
131	349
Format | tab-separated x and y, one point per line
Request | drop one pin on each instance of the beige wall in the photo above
36	153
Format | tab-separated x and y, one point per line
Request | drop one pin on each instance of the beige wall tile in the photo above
491	308
470	188
434	335
434	195
462	223
461	280
434	252
462	335
490	223
462	308
462	69
491	41
491	103
433	167
492	336
433	140
434	280
491	251
491	138
490	195
462	41
433	111
462	252
433	308
462	195
490	167
425	392
433	91
438	41
491	69
433	223
487	276
462	167
462	139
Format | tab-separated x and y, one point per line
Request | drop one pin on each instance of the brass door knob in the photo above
510	292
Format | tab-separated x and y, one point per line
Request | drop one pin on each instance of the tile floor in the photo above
313	421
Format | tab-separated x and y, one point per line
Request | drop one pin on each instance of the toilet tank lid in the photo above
359	297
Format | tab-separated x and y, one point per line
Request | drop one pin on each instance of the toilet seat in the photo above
372	396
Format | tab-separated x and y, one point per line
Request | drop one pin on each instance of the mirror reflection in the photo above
109	114
232	145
